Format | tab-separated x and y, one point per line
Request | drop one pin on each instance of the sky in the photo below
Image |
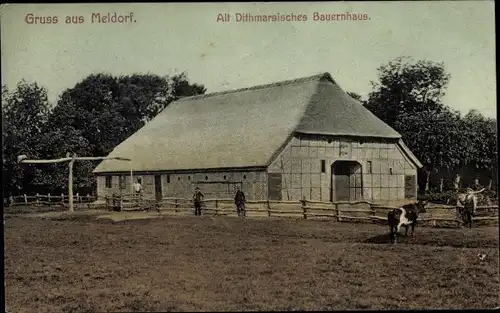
170	38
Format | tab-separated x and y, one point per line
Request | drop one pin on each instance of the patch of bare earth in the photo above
222	263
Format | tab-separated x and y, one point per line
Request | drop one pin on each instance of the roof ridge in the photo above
317	77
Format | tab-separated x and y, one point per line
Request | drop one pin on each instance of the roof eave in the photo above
339	134
409	154
194	170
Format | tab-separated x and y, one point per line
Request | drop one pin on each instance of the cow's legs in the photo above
396	231
406	230
413	228
392	233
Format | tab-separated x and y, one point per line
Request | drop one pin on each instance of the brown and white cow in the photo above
404	216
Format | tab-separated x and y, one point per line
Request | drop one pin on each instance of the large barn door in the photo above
346	181
340	181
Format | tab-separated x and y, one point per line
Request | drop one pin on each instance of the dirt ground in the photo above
79	263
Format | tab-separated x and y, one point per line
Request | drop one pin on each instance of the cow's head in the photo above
421	206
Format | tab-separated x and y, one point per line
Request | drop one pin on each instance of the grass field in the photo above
221	264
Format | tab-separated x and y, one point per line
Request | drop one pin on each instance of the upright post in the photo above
70	184
131	179
304	210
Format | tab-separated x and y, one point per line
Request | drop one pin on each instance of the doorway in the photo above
158	191
346	181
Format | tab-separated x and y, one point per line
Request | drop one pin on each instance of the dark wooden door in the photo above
274	186
341	179
158	191
346	181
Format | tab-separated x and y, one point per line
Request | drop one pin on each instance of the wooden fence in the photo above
48	200
307	209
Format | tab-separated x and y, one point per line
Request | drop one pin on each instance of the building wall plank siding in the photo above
383	167
181	185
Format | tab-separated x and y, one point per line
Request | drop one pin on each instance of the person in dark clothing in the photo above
239	200
197	197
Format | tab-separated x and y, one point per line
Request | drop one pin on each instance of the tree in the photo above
101	111
436	140
481	135
407	87
408	97
25	112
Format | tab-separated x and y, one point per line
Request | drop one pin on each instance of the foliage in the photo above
407	87
481	136
435	138
25	110
90	119
408	97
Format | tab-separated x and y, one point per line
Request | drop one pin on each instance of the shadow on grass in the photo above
379	239
385	239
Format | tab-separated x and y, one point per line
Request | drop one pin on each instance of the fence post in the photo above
48	199
11	201
372	213
37	199
62	199
303	203
337	211
78	197
106	199
25	199
216	207
268	208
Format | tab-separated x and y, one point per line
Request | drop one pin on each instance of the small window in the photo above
369	166
323	166
225	177
244	176
108	181
206	177
178	178
122	182
390	170
189	177
168	179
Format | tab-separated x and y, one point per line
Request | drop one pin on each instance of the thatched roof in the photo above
244	127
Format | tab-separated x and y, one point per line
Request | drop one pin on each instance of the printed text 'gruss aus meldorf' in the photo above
278	17
94	18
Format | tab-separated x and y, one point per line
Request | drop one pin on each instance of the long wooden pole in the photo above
70	185
131	180
24	159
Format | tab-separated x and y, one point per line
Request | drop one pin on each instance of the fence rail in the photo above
307	209
47	200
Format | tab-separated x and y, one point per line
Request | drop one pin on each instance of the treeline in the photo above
454	149
89	119
102	110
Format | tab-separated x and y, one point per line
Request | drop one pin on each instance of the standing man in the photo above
239	200
138	187
197	197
